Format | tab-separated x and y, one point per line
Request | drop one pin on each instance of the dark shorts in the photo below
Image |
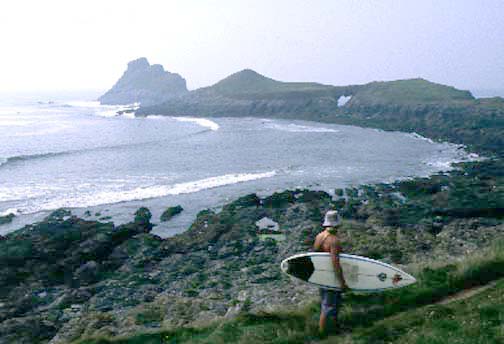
330	302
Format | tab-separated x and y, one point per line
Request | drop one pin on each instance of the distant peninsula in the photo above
248	93
430	109
145	84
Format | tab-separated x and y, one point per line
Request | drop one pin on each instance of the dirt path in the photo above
467	293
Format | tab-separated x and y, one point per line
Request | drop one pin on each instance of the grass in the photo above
478	319
404	315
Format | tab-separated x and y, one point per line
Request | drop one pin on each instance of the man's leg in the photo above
322	323
323	317
330	306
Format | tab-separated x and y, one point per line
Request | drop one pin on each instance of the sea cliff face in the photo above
145	84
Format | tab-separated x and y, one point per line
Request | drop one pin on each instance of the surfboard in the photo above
361	274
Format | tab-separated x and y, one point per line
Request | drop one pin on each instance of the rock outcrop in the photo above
145	84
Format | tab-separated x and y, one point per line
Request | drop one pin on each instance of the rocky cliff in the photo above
145	84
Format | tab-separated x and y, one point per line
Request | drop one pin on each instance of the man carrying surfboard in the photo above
328	241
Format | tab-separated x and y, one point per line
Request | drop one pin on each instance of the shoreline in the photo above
119	219
223	264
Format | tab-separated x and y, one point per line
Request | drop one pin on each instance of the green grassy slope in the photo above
477	319
405	315
249	81
409	91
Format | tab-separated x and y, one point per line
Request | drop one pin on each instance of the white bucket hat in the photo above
331	219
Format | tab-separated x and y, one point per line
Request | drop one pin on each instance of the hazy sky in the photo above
50	44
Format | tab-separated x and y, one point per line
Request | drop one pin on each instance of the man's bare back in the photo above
327	242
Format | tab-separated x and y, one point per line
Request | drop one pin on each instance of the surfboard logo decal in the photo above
382	276
396	279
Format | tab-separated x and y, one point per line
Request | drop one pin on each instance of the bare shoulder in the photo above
319	239
335	243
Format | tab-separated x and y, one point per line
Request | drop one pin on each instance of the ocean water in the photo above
61	151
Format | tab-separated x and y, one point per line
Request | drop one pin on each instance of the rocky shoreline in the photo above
65	277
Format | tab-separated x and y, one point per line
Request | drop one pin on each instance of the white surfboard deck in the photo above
361	274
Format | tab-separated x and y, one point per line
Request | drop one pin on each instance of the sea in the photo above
68	151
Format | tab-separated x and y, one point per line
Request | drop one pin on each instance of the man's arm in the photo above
335	251
316	244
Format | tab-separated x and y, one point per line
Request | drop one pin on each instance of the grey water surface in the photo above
76	154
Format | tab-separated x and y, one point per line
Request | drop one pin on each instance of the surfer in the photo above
328	241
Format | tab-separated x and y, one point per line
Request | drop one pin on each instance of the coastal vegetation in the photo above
67	279
422	313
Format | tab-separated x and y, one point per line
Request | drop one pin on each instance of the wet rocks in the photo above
92	278
6	219
88	273
170	212
142	217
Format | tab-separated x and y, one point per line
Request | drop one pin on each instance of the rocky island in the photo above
145	84
67	280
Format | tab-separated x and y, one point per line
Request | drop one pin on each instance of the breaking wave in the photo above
419	137
200	121
297	128
142	193
204	122
106	110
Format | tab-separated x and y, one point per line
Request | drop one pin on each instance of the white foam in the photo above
441	165
106	110
419	137
200	121
9	211
141	193
18	193
474	157
130	115
343	100
158	117
297	128
84	103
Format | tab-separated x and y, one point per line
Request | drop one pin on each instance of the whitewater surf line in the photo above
143	193
200	121
297	128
